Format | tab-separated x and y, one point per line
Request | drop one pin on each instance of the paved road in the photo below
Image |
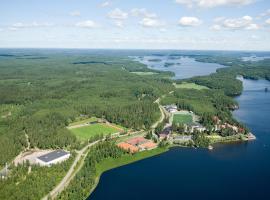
71	172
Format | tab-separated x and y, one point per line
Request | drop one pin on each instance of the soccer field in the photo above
86	132
182	118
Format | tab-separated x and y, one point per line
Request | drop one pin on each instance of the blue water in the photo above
183	66
231	171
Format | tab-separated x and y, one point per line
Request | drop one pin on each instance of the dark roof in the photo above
53	155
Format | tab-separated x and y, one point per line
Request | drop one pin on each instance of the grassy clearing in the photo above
86	132
144	73
182	118
92	119
111	163
190	86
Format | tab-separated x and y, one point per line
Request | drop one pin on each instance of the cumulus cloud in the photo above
105	4
118	14
142	12
75	13
86	24
245	22
189	21
150	22
214	3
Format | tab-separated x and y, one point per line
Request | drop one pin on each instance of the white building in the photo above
54	157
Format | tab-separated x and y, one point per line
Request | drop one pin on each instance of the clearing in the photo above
86	132
186	85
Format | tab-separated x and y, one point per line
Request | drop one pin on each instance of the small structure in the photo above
54	157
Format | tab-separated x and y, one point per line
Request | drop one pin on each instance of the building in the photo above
171	108
182	138
54	157
128	147
165	133
191	127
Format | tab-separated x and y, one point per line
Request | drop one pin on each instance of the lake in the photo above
231	171
182	66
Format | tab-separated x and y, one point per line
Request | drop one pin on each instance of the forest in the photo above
40	97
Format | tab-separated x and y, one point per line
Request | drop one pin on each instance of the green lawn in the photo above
86	132
190	86
182	118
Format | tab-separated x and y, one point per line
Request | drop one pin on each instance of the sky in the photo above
136	24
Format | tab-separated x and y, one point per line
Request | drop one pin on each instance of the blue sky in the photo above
136	24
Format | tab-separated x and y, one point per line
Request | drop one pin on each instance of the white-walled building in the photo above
54	157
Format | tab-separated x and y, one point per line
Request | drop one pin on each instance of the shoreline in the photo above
122	162
152	154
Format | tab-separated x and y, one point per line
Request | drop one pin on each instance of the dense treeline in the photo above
33	182
51	92
85	180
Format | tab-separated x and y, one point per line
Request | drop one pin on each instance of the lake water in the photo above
232	171
182	66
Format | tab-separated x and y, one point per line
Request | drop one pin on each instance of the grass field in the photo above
86	132
182	118
190	86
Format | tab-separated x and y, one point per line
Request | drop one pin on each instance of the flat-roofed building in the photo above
51	158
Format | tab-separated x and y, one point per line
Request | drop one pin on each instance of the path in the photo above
71	172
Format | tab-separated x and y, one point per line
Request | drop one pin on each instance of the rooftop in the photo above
53	155
128	147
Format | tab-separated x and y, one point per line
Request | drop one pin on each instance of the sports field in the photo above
182	118
86	132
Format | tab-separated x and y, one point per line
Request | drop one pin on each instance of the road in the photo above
71	172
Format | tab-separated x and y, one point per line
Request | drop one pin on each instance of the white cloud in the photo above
87	24
119	24
150	22
245	22
253	27
264	14
214	3
31	25
142	12
216	27
75	13
105	4
118	14
189	21
267	21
